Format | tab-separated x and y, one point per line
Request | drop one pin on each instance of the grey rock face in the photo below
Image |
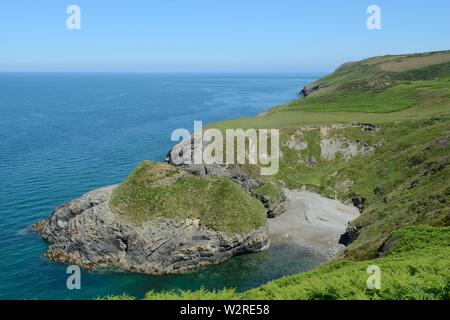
359	202
274	209
329	148
350	235
85	232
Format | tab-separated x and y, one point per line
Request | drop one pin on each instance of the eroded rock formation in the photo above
87	233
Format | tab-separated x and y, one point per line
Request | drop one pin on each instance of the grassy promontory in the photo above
156	190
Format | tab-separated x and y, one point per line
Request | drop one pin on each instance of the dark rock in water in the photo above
232	172
350	235
85	232
359	202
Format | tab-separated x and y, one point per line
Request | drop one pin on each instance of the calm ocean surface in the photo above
62	135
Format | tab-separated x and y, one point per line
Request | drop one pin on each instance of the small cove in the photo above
65	134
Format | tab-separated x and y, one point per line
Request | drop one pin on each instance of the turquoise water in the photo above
62	135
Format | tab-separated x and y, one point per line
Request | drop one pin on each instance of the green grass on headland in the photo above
394	98
405	182
156	190
364	92
414	62
291	118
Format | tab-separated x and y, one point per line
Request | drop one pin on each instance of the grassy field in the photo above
157	190
294	118
404	63
405	180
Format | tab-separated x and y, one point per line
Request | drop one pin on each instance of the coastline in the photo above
104	154
310	221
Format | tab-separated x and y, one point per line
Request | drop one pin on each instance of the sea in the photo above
64	134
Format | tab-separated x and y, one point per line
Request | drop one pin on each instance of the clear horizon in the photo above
200	36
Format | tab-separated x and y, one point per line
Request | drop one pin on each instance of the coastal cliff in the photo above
96	231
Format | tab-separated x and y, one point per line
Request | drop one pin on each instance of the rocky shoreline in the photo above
85	232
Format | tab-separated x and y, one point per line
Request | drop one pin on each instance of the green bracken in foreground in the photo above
157	190
416	267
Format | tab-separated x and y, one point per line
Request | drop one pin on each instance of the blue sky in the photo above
213	35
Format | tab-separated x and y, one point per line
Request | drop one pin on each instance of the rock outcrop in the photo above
232	172
273	208
350	235
359	202
332	142
367	127
87	233
306	91
330	148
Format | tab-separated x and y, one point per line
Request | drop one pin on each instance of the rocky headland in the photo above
93	233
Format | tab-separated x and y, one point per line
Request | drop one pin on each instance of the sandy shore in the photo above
312	221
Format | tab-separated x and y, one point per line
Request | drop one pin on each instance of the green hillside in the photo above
367	91
405	180
382	85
